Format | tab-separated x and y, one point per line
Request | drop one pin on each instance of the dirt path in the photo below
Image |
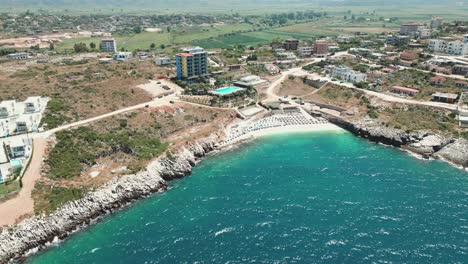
23	204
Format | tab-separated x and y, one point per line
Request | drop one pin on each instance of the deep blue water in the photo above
303	198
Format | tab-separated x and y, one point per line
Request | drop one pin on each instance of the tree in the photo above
137	29
162	46
152	46
80	47
92	45
51	46
252	57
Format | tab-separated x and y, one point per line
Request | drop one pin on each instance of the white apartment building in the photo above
305	51
162	61
425	33
456	47
348	74
287	55
122	56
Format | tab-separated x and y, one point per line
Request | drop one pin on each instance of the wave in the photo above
225	230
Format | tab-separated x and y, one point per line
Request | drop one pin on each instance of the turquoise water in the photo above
304	198
227	90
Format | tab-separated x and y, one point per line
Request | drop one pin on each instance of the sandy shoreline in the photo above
288	130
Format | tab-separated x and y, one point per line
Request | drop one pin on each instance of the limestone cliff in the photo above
38	231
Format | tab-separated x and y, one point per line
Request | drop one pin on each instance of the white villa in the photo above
348	74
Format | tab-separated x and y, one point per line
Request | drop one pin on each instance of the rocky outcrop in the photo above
424	143
370	130
456	152
427	144
38	231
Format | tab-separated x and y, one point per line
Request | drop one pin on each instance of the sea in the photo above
319	197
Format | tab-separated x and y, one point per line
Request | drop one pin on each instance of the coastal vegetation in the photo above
9	188
55	114
81	147
340	96
116	146
50	197
415	118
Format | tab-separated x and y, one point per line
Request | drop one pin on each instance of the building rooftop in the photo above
438	79
185	54
406	89
412	24
193	50
445	95
407	53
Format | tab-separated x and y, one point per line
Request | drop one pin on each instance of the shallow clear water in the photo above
304	198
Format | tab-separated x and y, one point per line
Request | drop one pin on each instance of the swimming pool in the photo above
227	90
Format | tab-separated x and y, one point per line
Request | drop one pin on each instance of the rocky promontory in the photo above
424	143
38	231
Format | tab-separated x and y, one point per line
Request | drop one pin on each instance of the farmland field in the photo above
225	36
177	36
250	38
329	27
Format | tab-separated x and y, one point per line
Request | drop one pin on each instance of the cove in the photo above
296	198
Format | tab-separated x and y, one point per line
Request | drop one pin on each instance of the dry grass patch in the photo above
83	90
294	86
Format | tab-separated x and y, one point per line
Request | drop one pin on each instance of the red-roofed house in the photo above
409	56
438	80
404	90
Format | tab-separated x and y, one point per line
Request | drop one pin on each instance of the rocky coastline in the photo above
423	143
35	233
